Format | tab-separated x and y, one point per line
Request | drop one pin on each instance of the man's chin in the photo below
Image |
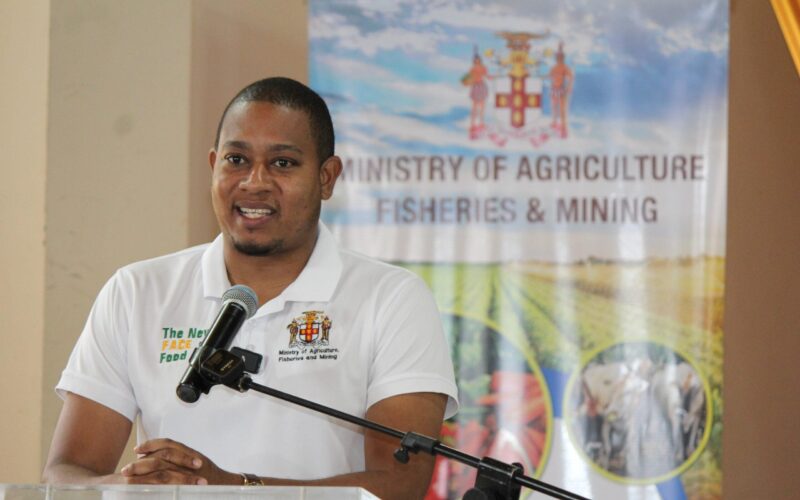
258	249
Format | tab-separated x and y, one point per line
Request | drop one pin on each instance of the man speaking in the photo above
333	327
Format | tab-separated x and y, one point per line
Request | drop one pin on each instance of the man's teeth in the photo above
255	213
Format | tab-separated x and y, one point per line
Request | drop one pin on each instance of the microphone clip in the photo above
228	367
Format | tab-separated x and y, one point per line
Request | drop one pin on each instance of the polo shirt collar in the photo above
316	282
319	278
212	268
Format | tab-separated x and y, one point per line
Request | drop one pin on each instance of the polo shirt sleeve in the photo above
410	351
98	366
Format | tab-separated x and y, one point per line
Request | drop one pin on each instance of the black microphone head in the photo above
243	295
188	393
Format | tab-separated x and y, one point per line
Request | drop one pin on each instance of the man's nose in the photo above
258	178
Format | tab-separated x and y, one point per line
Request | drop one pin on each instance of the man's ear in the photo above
328	173
212	158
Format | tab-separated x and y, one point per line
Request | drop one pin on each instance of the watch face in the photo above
252	480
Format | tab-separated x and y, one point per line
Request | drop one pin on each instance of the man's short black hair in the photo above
294	95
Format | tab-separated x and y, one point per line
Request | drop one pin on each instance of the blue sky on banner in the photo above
648	73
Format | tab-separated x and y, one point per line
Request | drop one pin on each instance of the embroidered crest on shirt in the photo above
309	338
312	328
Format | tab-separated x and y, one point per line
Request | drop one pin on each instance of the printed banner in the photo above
556	172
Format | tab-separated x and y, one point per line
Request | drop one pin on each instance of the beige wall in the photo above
135	89
761	440
23	131
107	112
118	156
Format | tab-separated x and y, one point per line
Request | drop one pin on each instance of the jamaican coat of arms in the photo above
312	328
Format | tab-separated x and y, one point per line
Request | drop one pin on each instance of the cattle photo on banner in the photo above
556	172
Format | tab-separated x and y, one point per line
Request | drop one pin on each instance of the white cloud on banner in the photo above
331	26
676	40
432	97
357	69
675	30
350	37
375	8
443	62
487	17
408	129
394	38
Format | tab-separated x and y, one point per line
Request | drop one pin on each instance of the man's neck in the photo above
267	275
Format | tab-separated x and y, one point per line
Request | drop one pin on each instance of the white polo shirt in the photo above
349	332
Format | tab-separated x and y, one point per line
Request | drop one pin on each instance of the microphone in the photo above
238	304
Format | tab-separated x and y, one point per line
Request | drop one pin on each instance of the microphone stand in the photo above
496	480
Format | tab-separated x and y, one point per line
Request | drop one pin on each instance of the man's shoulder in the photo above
166	266
375	271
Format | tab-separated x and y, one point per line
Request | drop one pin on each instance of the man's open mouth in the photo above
255	213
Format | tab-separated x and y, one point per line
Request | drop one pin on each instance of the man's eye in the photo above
235	159
283	163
